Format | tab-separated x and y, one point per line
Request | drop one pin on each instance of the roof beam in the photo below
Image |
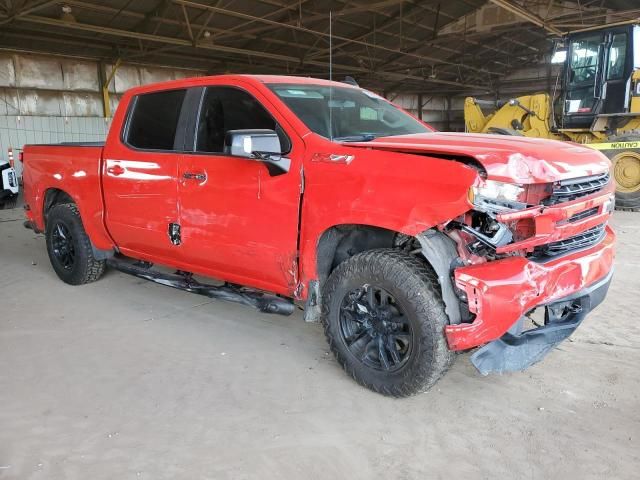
152	16
323	16
527	15
245	16
157	13
27	11
419	44
226	49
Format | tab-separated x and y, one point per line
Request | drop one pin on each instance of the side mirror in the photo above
260	145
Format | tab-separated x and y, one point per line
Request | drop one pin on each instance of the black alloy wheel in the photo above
70	251
374	328
384	319
63	248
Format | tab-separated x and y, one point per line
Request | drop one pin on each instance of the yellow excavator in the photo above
598	105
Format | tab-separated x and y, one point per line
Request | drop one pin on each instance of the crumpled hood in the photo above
506	158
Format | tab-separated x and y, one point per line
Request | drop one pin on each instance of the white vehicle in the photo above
8	185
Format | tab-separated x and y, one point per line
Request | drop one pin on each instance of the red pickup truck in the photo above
408	244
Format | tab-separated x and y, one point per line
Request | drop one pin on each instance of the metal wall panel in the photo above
9	101
38	72
126	77
39	102
81	76
7	71
82	104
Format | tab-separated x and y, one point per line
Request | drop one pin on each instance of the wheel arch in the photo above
55	196
340	242
52	197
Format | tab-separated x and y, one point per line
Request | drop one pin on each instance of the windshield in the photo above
346	114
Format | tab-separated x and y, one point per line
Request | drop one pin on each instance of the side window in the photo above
617	56
584	59
226	108
154	120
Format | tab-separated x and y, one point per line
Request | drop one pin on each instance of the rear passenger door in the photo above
238	222
140	175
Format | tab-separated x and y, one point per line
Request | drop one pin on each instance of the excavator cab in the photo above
597	74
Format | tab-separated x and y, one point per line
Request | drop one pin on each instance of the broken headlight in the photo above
494	195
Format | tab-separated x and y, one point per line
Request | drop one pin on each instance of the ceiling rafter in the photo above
153	18
22	10
388	43
246	16
249	53
527	15
420	44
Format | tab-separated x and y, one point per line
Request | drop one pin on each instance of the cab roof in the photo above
236	78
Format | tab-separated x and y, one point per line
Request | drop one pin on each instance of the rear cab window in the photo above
153	120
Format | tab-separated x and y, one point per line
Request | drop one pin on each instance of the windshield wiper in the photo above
365	137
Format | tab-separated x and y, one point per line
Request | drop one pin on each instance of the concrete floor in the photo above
126	379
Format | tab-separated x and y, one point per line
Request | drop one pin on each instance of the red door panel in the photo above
140	195
237	221
240	222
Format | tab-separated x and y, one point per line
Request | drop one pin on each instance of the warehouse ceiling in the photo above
389	45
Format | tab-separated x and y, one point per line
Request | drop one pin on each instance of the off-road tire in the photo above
85	268
626	201
415	286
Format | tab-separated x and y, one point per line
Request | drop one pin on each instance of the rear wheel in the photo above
626	172
69	247
384	319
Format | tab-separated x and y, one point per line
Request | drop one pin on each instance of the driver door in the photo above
238	222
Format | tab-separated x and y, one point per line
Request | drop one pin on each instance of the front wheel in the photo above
384	319
69	247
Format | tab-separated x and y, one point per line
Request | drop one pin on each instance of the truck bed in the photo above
76	166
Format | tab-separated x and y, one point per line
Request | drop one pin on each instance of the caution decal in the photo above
614	145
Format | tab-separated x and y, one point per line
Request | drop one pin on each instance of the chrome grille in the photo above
585	239
568	190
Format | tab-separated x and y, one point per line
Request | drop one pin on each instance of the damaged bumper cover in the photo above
514	352
501	292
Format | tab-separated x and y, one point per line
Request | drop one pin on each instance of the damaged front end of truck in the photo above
520	250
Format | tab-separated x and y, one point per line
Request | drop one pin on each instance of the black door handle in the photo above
201	177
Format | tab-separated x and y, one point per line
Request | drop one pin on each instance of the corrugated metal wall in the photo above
49	99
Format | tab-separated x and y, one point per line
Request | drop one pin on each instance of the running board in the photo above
264	302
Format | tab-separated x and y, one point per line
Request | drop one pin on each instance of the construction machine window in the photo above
617	57
584	59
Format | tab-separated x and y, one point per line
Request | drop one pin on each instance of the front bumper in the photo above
501	292
517	351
